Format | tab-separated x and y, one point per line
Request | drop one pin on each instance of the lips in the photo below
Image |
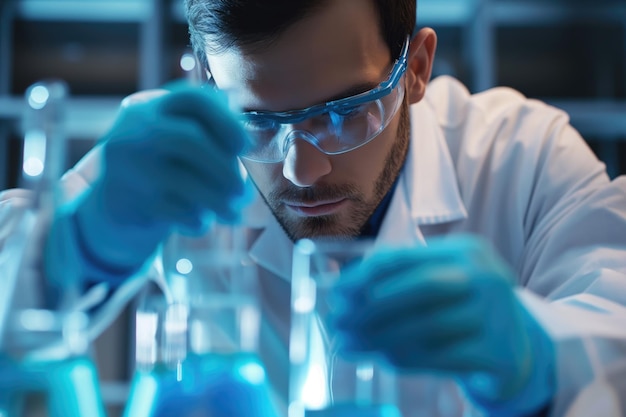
317	208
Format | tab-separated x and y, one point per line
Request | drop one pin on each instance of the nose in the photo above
305	164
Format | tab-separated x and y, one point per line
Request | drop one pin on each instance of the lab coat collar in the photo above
427	193
430	175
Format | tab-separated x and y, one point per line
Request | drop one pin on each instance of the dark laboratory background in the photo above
570	53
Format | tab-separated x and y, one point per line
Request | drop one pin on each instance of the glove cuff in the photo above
67	254
534	399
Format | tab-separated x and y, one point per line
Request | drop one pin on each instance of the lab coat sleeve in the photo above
17	222
574	274
74	260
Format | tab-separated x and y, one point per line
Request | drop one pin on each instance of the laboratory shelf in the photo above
84	10
598	118
160	36
90	117
433	12
446	13
87	117
533	13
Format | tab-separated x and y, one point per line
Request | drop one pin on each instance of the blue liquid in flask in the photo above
354	410
69	387
208	385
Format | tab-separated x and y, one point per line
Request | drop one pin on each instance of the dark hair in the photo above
221	24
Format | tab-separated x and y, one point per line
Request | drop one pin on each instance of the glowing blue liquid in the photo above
70	387
204	386
351	410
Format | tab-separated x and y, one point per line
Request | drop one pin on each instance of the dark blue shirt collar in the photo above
372	226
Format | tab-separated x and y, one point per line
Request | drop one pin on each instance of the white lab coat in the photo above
514	171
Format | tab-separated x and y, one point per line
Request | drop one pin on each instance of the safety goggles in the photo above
335	127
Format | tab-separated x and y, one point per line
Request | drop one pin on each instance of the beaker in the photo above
197	343
45	370
324	381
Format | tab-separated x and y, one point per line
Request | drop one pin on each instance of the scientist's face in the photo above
335	53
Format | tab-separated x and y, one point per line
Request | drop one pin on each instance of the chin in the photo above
328	227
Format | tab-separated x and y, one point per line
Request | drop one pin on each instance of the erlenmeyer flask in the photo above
196	345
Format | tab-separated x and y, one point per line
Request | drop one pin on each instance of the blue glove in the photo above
449	308
168	161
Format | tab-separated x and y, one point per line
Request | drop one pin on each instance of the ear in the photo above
420	63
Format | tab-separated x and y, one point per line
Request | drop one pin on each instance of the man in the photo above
508	284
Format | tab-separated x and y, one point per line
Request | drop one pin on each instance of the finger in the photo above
390	260
186	142
178	193
210	111
468	355
424	286
172	210
176	147
385	265
203	196
386	262
429	332
410	294
221	174
143	206
462	357
193	194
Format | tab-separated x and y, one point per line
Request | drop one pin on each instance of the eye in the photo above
259	125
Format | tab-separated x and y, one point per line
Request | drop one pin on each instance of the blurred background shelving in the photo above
570	53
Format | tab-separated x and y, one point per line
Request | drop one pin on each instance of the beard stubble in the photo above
332	226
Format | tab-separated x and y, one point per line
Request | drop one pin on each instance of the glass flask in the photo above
45	368
323	380
197	340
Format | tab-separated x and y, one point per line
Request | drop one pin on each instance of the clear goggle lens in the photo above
335	131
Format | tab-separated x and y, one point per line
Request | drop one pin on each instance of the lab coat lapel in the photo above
428	170
273	250
427	192
431	179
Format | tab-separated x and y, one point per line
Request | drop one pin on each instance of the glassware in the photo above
45	369
323	380
44	147
197	344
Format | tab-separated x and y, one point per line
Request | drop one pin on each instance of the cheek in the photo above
265	176
365	164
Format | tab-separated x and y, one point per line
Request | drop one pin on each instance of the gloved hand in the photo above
168	160
450	308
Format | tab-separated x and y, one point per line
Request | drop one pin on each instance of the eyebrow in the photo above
349	92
